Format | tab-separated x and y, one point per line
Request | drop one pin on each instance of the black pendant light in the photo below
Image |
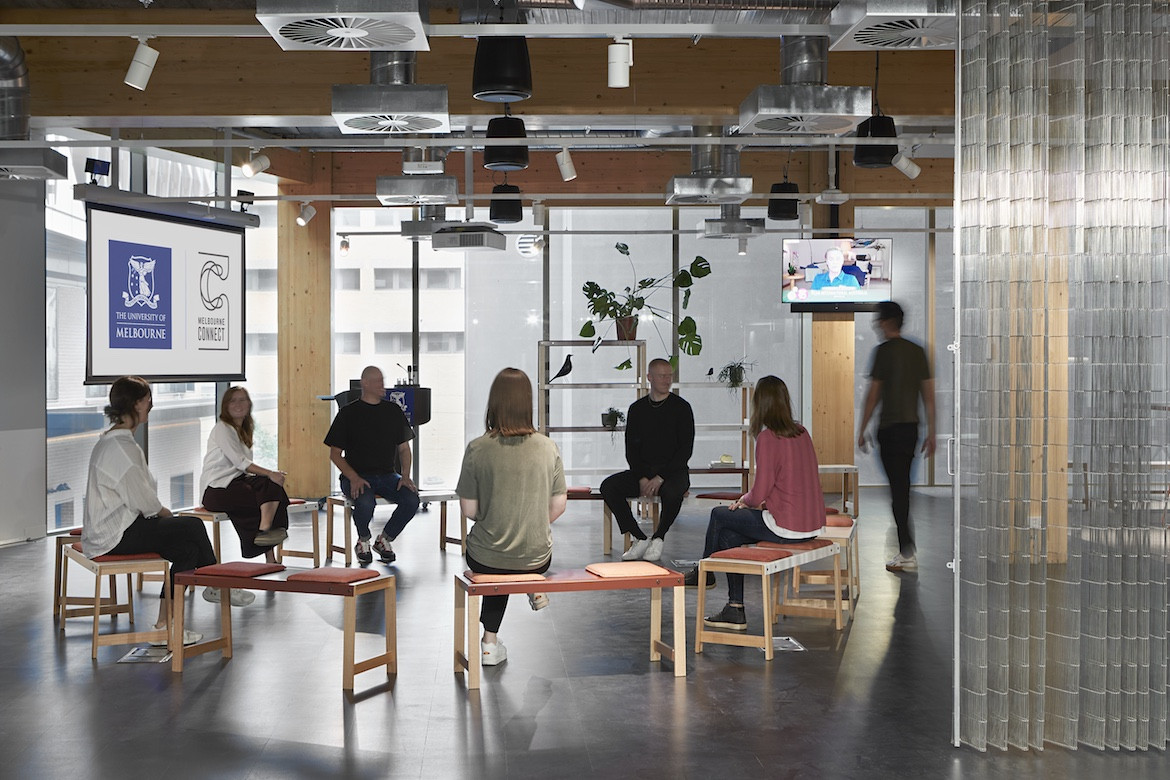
877	126
784	209
502	72
505	158
506	210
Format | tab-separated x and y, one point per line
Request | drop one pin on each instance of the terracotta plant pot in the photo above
627	328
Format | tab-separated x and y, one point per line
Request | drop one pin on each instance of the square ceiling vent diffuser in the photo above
391	108
894	24
345	25
416	190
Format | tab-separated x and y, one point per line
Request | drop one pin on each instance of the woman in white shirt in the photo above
123	514
252	496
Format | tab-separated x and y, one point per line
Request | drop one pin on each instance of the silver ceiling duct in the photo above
345	25
730	224
708	183
416	190
802	103
391	103
14	110
894	24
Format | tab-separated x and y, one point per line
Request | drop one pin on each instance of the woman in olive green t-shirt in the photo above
512	485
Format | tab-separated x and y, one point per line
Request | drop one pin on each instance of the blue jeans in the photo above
386	486
729	529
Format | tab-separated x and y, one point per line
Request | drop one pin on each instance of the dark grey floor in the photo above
577	695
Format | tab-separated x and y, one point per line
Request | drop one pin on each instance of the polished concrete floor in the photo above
577	695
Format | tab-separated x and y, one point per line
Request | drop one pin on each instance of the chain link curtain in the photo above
1064	333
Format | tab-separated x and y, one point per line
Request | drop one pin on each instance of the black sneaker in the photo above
384	549
731	617
362	550
691	578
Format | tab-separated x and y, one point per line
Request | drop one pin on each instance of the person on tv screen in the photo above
835	276
854	269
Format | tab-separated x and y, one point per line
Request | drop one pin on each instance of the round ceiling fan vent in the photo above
393	123
908	34
348	32
805	123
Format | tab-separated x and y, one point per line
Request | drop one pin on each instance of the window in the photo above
260	279
392	344
260	343
391	278
347	343
63	515
441	342
173	388
441	279
347	279
183	489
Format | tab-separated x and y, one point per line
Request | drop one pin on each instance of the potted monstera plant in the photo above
623	308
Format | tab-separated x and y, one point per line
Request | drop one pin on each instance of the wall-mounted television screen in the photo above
837	274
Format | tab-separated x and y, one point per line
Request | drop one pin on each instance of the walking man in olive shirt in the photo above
898	376
660	436
364	439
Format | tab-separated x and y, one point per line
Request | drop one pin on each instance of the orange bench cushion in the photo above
627	569
761	554
333	574
721	495
839	521
529	577
111	558
579	489
240	569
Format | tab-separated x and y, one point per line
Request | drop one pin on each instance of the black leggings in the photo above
181	540
492	613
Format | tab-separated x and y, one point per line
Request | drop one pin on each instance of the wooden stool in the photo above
842	529
741	560
347	512
645	505
207	516
281	550
836	605
63	541
111	566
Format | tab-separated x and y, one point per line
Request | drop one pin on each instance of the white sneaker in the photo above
653	550
238	598
189	638
637	550
537	601
902	563
493	654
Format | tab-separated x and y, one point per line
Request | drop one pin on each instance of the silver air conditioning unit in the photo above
391	103
894	24
469	236
33	164
707	183
14	111
345	25
730	224
803	104
377	108
416	190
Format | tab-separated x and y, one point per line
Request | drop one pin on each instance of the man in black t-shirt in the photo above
660	436
900	374
364	439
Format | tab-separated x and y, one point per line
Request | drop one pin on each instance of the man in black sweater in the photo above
660	436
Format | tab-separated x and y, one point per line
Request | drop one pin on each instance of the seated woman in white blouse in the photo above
252	496
123	514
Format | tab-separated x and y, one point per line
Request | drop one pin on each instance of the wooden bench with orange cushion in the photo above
629	575
347	583
767	562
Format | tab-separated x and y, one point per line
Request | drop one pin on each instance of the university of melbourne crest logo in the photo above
140	296
140	283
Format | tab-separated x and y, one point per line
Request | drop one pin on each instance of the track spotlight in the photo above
343	249
565	163
621	57
245	199
141	66
255	165
306	215
908	167
743	247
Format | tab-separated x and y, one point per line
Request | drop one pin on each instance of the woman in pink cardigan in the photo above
785	503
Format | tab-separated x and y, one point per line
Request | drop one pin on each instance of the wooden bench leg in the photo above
390	607
680	631
461	662
349	631
766	579
442	526
178	624
700	606
655	624
474	656
606	529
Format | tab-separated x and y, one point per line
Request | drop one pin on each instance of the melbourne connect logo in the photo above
140	296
